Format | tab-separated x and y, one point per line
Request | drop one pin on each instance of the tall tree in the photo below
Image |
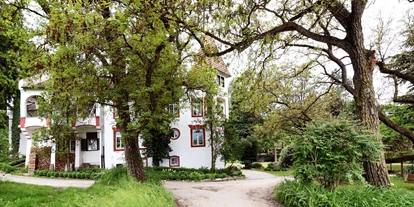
13	45
322	26
126	55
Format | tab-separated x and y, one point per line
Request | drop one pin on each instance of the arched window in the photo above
32	106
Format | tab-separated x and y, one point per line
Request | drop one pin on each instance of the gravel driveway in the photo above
254	191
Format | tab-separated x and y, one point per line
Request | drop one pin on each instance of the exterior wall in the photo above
191	157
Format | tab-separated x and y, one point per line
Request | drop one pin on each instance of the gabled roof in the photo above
216	62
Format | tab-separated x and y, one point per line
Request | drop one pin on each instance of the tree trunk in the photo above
366	106
133	157
213	154
15	130
367	112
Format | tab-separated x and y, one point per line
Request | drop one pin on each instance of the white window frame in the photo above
195	135
118	137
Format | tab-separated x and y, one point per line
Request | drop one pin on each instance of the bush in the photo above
19	161
332	152
247	164
7	168
257	165
294	194
113	175
286	156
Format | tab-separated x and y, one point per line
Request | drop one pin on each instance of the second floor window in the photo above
220	80
197	107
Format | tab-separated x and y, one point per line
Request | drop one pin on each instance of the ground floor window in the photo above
91	143
197	137
175	133
174	161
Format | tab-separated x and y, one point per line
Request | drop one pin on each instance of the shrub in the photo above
183	177
113	175
257	165
332	152
247	164
286	156
19	161
7	168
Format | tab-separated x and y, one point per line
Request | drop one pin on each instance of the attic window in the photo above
220	80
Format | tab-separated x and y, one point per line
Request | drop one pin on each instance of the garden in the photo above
160	173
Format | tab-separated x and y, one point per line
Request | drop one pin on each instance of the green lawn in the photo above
125	193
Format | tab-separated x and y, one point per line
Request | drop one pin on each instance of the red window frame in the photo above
117	149
179	134
197	126
178	158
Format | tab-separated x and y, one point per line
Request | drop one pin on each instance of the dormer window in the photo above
220	80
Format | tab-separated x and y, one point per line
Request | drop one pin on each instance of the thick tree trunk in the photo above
367	111
364	95
133	158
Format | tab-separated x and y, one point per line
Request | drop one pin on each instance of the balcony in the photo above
90	121
33	122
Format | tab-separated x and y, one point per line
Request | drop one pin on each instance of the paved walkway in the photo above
61	183
254	191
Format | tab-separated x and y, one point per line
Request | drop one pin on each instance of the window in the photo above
32	106
175	133
72	145
173	109
174	161
220	80
91	143
197	137
197	107
119	145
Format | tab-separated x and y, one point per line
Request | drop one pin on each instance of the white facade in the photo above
101	126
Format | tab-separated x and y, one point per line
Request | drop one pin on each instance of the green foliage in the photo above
331	152
4	144
19	161
234	144
286	156
257	165
166	173
7	168
296	194
158	144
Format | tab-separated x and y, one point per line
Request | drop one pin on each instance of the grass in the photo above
293	194
125	192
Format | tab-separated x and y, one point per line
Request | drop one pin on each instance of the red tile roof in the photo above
216	62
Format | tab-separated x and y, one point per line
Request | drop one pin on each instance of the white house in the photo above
101	144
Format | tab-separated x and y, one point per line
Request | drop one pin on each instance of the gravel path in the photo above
61	183
254	191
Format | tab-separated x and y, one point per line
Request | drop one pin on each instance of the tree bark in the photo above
366	106
133	158
15	130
